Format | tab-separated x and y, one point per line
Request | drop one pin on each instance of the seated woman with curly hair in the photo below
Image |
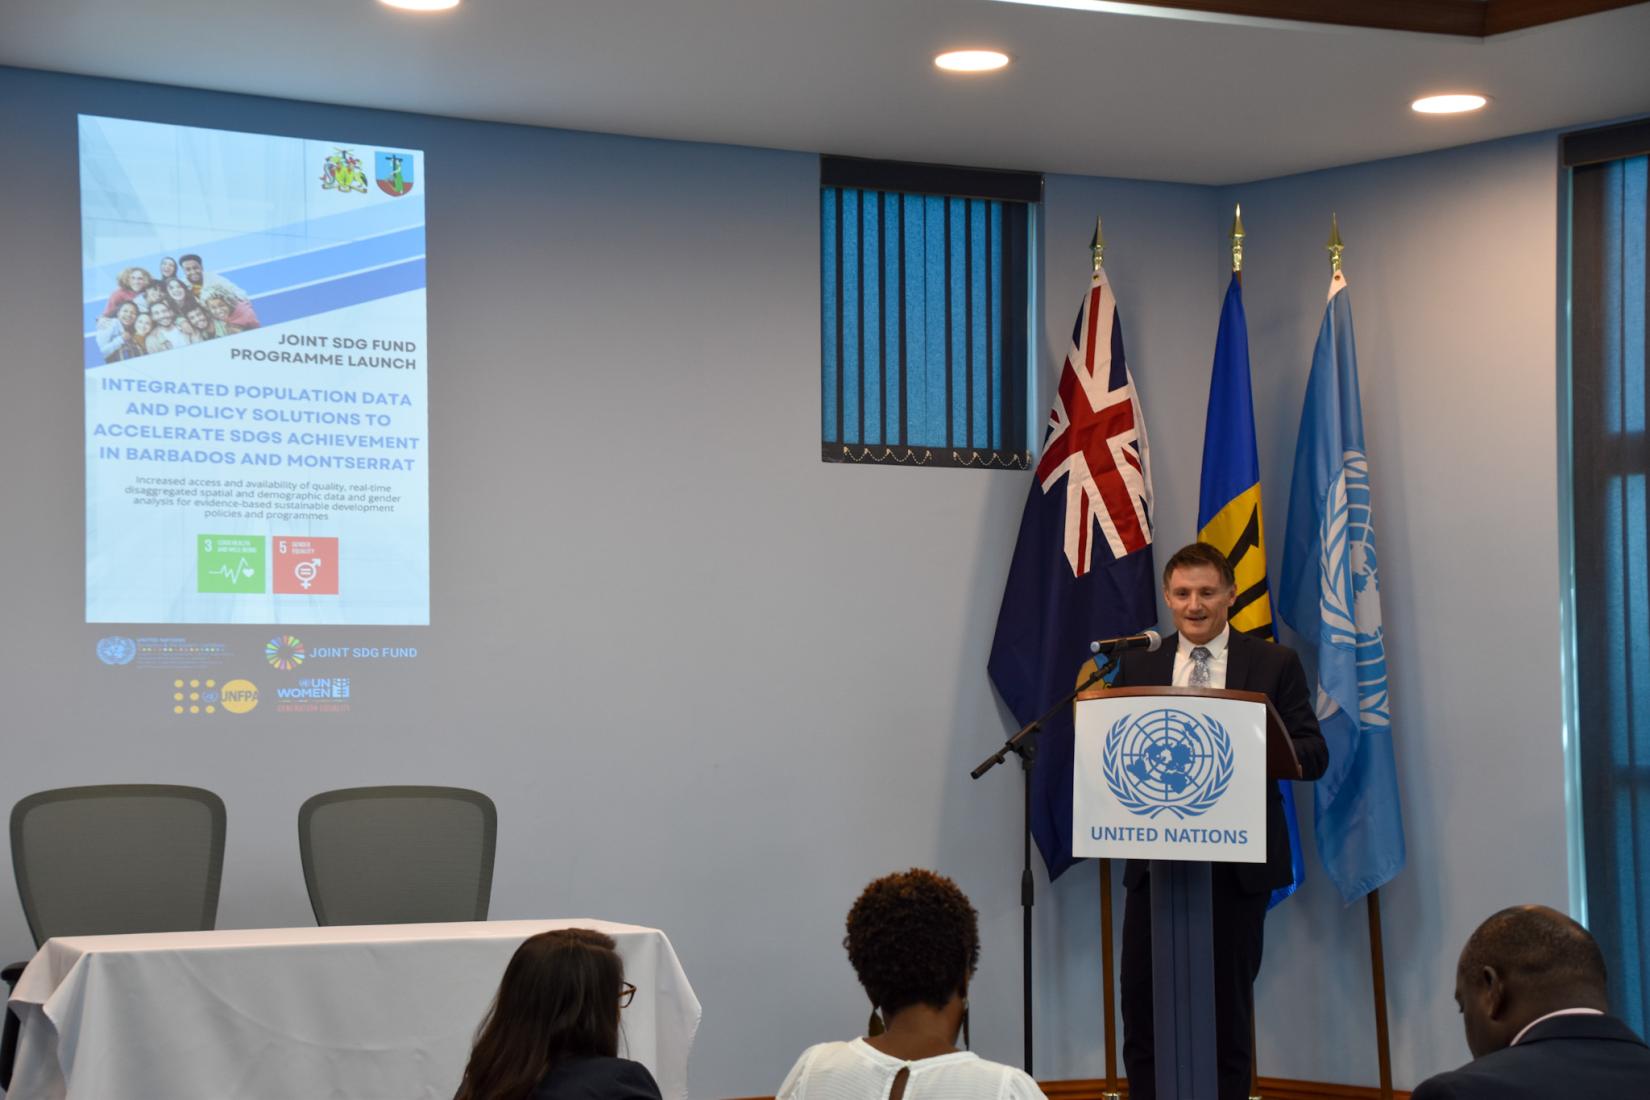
913	940
552	1032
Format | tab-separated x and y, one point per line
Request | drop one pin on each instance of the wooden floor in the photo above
1271	1088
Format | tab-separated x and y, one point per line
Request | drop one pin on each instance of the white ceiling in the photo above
1114	94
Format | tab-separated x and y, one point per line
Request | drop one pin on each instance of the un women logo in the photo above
1167	761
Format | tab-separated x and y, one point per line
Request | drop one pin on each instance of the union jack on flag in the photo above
1082	565
1097	439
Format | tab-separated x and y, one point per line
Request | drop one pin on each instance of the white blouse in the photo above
857	1071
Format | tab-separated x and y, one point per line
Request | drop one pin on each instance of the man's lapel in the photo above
1162	662
1239	649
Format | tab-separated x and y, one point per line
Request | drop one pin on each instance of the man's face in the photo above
197	317
1199	599
162	313
192	270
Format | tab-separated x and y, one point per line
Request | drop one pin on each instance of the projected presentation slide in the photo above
253	338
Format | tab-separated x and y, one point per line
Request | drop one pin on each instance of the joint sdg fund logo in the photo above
1167	762
284	652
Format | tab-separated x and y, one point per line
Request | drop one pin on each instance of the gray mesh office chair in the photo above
121	858
398	855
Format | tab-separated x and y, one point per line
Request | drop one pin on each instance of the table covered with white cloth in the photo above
380	1012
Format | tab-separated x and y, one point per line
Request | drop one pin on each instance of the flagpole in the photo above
1377	969
1377	951
1108	984
1237	234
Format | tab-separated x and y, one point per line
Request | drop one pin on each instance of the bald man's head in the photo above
1521	964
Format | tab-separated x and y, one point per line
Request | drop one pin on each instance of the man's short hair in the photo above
1539	945
1200	553
187	256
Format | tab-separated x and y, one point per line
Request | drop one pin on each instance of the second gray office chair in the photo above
398	855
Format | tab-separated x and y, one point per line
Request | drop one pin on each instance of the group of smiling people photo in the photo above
147	315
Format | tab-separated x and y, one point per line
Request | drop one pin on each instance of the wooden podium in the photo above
1183	1004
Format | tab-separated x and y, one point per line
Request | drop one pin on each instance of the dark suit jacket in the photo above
598	1079
1251	665
1567	1058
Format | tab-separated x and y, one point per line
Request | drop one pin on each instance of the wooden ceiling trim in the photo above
1467	18
1502	16
1460	17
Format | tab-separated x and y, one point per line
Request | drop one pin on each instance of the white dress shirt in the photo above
1217	648
1561	1012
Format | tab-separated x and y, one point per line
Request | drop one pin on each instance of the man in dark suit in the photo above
1531	988
1200	587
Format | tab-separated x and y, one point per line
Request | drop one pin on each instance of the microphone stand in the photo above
1024	744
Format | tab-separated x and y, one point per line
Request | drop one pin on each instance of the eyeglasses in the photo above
627	993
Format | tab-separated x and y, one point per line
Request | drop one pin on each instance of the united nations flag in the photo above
1331	597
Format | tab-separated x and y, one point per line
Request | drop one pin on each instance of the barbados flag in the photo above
1228	507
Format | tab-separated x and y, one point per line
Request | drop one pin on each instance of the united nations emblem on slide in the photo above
116	650
1167	761
394	173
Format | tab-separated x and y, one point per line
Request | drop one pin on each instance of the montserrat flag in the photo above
1228	508
1082	565
1331	597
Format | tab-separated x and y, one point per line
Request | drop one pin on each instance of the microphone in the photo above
1149	641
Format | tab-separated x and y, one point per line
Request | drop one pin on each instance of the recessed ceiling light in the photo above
971	61
1447	104
420	5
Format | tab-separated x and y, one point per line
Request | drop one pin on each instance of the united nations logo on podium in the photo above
1167	761
1165	773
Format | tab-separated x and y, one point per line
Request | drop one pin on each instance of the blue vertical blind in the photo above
923	327
1611	464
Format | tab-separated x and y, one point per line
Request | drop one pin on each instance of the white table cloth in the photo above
383	1012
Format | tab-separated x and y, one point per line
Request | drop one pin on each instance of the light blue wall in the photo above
715	685
1451	263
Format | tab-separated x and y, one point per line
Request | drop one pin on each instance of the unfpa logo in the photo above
1167	762
194	696
201	697
239	696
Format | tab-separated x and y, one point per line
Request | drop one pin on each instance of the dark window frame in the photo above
984	220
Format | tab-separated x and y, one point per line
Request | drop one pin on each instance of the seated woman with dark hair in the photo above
552	1032
913	940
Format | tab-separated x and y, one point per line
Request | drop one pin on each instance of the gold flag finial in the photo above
1097	247
1335	246
1237	239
